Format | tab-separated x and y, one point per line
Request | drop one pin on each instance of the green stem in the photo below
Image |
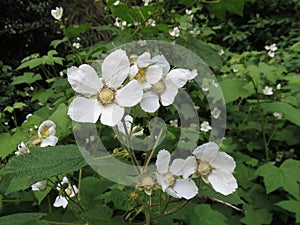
147	211
171	211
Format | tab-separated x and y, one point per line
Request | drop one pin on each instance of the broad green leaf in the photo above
286	176
42	163
23	219
291	206
233	89
120	200
256	216
204	215
289	112
4	140
75	30
27	78
18	184
55	43
19	105
220	8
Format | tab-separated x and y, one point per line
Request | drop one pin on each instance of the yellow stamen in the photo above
69	191
45	131
171	179
106	95
141	75
159	87
204	168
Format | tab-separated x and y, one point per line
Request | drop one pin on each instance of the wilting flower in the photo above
147	183
216	168
46	134
166	89
39	186
168	176
104	97
268	90
22	149
205	127
145	71
175	32
69	191
57	13
128	120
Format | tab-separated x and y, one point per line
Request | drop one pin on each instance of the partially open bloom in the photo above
216	168
46	134
168	176
128	129
69	191
39	186
103	97
22	149
268	90
57	13
205	127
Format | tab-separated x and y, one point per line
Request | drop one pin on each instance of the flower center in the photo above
69	191
106	95
45	131
57	14
147	182
141	75
170	178
159	87
204	168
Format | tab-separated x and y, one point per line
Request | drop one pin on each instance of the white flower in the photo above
70	191
57	13
205	127
119	23
174	123
195	31
116	3
39	186
271	54
268	90
221	52
104	97
168	176
145	71
142	42
22	149
151	22
46	134
76	45
205	87
235	70
216	167
188	12
278	115
215	113
278	86
166	89
146	2
175	32
134	131
271	47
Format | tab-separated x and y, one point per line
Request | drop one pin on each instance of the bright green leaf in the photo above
291	206
27	78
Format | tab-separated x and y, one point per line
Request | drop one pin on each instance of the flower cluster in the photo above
271	49
146	80
207	162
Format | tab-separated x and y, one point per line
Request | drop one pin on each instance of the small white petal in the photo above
84	80
150	102
206	152
144	60
222	181
179	76
161	61
130	95
40	185
154	74
60	201
133	71
111	114
115	68
172	192
223	161
49	141
162	181
64	181
84	110
186	188
168	96
162	161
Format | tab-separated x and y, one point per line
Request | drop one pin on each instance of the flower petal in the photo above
84	79
84	110
154	74
161	61
179	76
162	161
133	71
49	141
172	192
206	152
144	60
150	102
223	161
130	95
49	125
162	181
186	188
115	68
184	167
111	114
222	181
168	96
60	201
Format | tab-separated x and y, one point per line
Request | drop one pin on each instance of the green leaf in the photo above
42	163
18	184
256	216
204	215
286	176
55	43
289	112
75	30
120	200
291	206
23	219
233	89
27	78
220	8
